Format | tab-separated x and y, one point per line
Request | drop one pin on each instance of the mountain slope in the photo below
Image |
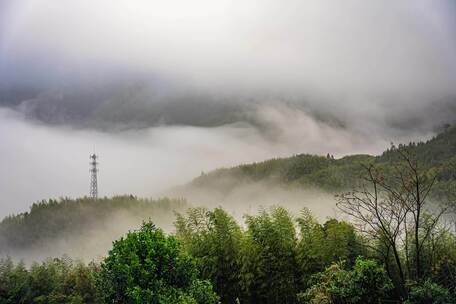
437	155
81	227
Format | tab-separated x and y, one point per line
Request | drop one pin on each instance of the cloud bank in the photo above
349	51
165	89
39	161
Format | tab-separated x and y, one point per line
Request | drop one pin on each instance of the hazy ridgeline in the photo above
81	228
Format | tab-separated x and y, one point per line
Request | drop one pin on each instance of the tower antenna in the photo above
93	176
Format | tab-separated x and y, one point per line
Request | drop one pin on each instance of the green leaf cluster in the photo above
148	266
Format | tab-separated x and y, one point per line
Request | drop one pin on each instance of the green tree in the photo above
366	283
214	239
430	293
340	242
321	245
14	286
53	281
149	267
270	272
310	254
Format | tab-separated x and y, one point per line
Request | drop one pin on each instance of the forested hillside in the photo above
80	227
437	155
299	170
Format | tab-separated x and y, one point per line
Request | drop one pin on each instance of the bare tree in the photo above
391	208
411	186
376	214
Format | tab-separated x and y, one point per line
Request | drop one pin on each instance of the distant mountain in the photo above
437	155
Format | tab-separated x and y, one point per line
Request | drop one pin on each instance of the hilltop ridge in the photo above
437	154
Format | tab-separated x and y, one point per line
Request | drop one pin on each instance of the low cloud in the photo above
39	161
384	57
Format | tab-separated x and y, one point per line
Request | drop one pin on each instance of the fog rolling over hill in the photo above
53	161
163	90
82	228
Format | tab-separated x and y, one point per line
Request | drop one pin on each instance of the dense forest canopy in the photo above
277	258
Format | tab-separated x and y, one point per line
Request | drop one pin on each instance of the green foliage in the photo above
269	270
276	258
310	255
366	283
438	255
149	267
14	286
53	281
430	293
202	293
340	242
296	171
322	245
214	239
444	263
66	218
270	261
437	156
433	152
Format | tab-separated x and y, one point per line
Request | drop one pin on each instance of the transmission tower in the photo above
93	176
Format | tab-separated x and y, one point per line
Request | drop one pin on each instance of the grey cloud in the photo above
39	161
143	63
396	47
203	84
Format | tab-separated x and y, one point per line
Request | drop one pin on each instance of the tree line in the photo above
436	155
275	258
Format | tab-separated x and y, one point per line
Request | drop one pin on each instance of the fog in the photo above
40	162
163	90
356	47
94	239
360	56
91	243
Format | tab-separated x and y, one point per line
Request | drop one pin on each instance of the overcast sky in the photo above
354	45
383	70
